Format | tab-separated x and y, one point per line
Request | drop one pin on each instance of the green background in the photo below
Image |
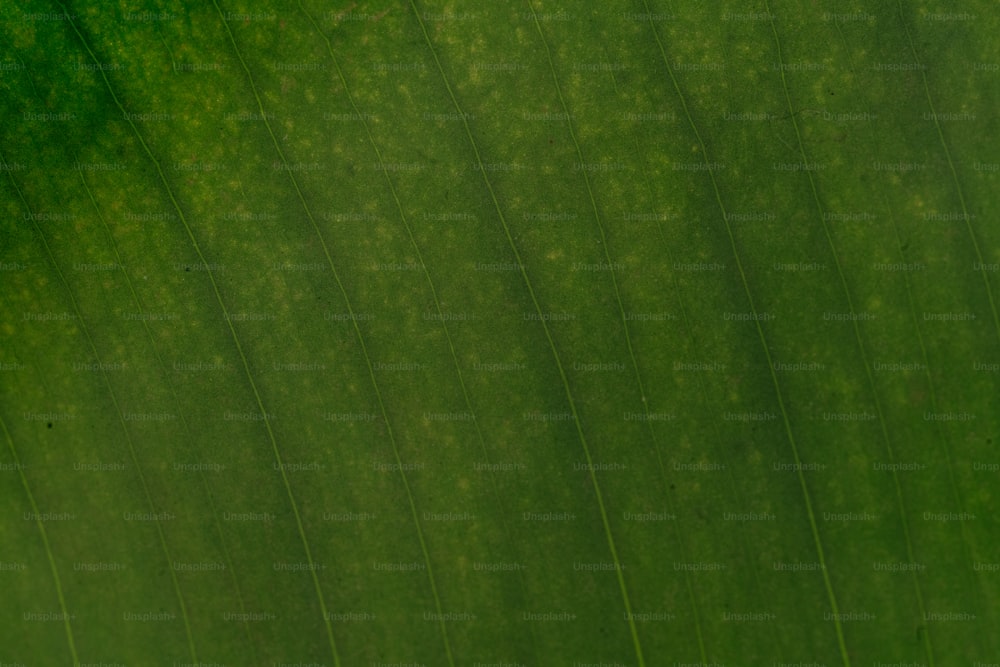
537	334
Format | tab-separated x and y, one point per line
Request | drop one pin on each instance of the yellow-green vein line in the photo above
173	392
947	445
232	331
857	332
625	326
430	281
45	542
767	352
954	173
703	391
548	335
364	347
121	419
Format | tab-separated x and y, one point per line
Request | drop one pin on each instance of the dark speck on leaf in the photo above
49	424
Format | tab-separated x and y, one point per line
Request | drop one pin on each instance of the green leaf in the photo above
391	333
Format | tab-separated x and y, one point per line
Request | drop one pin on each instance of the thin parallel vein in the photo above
911	300
954	173
229	324
786	421
173	392
173	63
597	214
699	632
703	392
947	446
364	348
624	320
437	302
856	327
548	335
50	557
118	411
